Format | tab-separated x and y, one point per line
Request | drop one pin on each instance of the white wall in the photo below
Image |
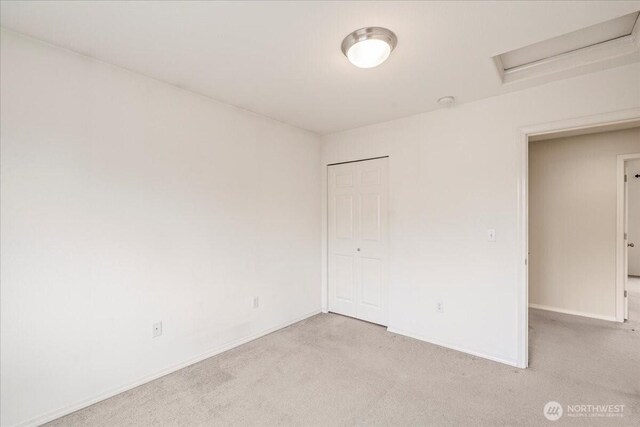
454	173
572	221
126	201
633	227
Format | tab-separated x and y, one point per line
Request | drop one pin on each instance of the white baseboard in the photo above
221	349
498	359
573	312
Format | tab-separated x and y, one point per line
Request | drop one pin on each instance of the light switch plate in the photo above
491	235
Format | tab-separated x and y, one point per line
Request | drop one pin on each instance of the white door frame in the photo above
621	270
599	120
324	294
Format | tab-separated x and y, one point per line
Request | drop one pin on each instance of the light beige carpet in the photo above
332	370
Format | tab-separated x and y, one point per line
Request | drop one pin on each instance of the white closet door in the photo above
358	228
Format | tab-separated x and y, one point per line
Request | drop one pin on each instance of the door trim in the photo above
602	121
356	161
324	293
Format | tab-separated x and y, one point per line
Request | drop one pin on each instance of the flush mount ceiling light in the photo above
369	47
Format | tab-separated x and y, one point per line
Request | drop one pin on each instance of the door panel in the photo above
357	227
345	282
344	217
371	272
370	215
344	180
370	177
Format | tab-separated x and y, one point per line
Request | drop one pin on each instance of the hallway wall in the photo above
572	221
633	228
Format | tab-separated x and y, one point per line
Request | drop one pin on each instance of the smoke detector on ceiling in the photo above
446	101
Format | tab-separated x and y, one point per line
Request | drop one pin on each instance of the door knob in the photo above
359	248
631	245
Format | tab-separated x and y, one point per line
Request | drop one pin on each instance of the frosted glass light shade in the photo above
369	53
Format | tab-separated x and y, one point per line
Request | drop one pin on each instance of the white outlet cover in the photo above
491	235
157	329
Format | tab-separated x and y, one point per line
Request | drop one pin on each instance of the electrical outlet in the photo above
491	235
256	302
157	329
440	307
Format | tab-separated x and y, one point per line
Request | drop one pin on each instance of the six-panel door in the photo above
358	218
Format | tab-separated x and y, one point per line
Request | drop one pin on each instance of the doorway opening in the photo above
572	212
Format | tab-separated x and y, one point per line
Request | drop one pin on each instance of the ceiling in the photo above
283	59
